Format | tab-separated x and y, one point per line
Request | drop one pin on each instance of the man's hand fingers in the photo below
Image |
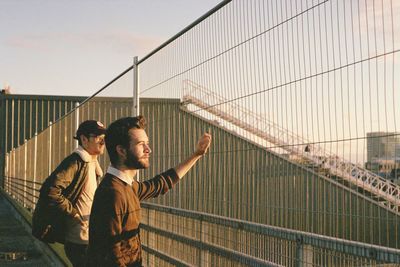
204	144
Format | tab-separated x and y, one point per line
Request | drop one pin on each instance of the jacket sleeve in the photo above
57	182
159	185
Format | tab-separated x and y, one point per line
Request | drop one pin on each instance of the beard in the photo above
134	162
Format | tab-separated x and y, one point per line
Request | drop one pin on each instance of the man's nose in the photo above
148	149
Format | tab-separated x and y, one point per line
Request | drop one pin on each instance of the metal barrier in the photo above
324	70
235	240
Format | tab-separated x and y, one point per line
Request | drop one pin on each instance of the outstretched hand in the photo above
203	144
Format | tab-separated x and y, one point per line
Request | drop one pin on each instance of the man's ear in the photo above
121	151
84	139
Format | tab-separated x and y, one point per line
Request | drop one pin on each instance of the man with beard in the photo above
114	238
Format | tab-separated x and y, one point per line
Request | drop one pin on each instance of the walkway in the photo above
17	246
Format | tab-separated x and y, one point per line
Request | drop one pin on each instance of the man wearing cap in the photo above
68	192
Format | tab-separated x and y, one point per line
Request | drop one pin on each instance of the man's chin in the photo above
144	165
138	165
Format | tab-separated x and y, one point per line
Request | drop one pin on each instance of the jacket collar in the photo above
86	157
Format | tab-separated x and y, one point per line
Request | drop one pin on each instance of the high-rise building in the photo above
382	145
383	152
397	152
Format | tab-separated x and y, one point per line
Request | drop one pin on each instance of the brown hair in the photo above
118	134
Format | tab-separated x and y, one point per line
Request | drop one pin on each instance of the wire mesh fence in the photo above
300	97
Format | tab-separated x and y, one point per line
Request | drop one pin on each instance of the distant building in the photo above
383	167
383	152
383	145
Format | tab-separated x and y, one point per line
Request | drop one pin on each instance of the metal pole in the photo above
76	121
6	172
7	127
50	154
25	160
12	189
12	124
34	170
135	106
304	254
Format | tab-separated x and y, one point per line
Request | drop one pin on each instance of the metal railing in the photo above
218	240
252	244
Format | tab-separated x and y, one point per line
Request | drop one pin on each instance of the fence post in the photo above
12	191
135	104
12	124
34	171
148	235
201	242
205	256
25	160
304	254
50	146
6	172
76	122
10	172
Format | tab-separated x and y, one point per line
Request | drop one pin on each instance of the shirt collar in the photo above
121	175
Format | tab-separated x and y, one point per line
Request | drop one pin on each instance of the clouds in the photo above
380	18
71	45
121	42
125	42
33	42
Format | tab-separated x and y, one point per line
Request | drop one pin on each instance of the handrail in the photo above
359	249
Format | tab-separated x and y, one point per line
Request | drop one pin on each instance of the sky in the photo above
62	47
76	47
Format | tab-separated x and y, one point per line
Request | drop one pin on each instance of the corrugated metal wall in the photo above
21	116
247	182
